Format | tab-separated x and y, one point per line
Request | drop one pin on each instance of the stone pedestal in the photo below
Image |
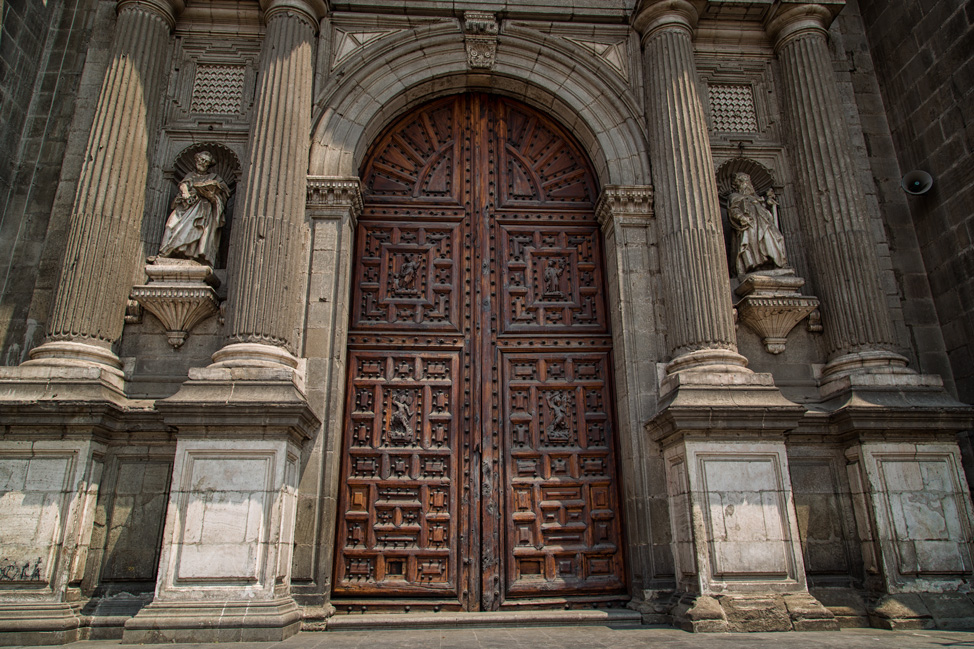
738	557
224	572
48	488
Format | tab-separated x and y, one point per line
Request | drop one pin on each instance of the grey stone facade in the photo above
787	439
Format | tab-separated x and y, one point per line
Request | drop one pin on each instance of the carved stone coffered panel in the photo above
740	102
213	82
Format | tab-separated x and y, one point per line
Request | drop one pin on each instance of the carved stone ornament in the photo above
480	37
180	293
771	306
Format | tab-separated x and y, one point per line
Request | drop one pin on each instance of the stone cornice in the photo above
168	10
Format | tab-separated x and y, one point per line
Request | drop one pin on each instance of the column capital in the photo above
334	195
619	201
311	10
658	14
790	19
168	10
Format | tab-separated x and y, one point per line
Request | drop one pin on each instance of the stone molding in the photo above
787	21
667	14
354	107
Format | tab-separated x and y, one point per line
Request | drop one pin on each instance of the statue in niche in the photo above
758	243
193	227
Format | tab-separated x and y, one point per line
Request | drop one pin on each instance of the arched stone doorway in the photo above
479	465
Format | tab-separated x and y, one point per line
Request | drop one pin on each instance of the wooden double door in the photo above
479	465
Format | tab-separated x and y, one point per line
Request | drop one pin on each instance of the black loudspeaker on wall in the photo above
917	182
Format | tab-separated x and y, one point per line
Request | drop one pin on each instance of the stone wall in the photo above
923	64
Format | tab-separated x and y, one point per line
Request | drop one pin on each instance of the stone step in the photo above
453	620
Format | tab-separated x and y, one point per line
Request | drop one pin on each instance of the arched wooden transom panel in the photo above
479	466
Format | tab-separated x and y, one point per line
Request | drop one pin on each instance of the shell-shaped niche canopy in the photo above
761	177
227	165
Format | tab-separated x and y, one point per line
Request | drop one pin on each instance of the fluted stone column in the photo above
859	330
699	314
106	219
264	289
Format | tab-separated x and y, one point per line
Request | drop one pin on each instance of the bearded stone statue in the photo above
193	227
757	242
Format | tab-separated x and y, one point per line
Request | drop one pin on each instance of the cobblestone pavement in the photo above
599	637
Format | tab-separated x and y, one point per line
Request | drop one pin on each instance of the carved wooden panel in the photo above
552	279
539	164
563	525
399	526
407	276
419	157
478	466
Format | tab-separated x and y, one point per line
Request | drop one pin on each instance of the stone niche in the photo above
770	303
182	293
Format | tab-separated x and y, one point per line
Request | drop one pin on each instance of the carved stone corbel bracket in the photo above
771	306
480	37
180	294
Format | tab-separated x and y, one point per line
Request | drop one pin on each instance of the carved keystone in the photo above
480	37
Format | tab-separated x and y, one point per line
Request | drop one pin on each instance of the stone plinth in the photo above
771	306
48	490
911	502
224	571
735	537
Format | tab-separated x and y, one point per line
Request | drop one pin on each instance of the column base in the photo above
752	613
708	360
219	621
38	623
253	355
75	354
878	361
